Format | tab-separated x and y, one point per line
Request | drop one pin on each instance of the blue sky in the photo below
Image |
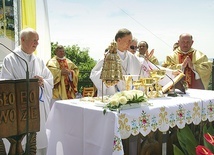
93	24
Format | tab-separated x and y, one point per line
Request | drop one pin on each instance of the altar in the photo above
80	127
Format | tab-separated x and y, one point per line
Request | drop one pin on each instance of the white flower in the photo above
114	102
123	100
129	96
125	97
117	95
137	91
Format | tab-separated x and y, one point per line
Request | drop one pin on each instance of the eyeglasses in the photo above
133	47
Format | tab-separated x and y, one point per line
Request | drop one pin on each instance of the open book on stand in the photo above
178	82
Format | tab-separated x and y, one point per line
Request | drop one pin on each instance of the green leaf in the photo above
187	140
209	130
177	151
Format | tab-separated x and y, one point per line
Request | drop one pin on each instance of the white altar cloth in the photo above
80	128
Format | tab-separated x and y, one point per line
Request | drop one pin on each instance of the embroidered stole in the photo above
63	64
190	75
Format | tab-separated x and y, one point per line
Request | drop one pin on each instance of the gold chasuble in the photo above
69	86
200	62
65	87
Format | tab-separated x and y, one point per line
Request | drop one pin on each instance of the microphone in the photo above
171	92
27	85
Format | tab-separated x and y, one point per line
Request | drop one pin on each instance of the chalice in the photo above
157	75
128	81
136	82
148	84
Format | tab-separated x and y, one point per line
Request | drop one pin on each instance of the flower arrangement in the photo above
123	98
202	150
190	144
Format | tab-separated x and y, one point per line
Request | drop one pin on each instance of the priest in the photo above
195	64
131	65
15	68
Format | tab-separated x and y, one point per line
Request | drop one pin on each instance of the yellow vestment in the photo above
152	59
64	88
200	62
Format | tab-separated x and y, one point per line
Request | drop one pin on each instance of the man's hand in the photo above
185	62
40	80
190	64
149	54
65	71
176	72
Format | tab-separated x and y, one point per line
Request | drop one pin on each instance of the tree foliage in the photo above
81	58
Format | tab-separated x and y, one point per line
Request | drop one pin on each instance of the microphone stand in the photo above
27	90
171	93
